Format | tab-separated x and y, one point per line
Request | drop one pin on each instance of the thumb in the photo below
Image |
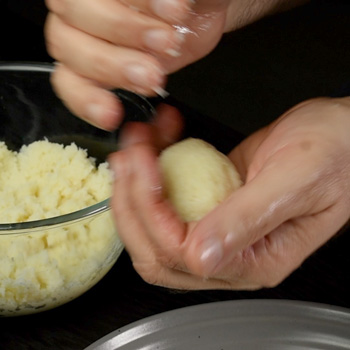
249	214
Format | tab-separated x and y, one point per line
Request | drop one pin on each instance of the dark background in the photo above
253	76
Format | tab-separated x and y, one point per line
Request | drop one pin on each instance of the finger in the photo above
143	250
137	132
117	23
87	99
148	259
274	196
159	217
164	130
128	225
145	198
102	61
130	230
172	11
274	257
169	124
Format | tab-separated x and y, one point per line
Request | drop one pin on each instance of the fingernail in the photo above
143	76
170	9
99	116
175	50
161	92
157	39
160	40
212	252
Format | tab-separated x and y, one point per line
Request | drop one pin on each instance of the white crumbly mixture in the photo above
40	270
47	179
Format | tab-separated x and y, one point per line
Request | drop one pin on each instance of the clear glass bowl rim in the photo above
93	210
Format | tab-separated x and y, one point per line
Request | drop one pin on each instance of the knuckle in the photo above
50	4
271	276
59	7
113	31
158	267
50	48
53	49
52	39
59	86
171	262
150	272
252	230
101	68
255	272
55	80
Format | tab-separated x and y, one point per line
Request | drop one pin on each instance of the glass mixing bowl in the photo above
48	262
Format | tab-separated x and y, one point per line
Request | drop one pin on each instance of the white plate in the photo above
241	324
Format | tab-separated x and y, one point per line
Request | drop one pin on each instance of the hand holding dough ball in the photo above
197	177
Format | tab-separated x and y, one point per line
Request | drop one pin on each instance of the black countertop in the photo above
253	76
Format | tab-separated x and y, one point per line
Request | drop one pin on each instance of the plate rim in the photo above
193	310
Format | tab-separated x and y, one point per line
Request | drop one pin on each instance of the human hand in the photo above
295	197
128	44
133	45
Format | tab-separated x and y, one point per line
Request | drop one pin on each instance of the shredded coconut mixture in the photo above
46	179
43	269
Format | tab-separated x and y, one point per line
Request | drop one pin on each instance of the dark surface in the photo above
259	72
253	76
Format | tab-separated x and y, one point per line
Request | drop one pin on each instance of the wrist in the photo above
243	12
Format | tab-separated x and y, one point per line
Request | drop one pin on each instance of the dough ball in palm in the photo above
197	177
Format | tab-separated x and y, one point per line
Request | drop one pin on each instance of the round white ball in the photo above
197	177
